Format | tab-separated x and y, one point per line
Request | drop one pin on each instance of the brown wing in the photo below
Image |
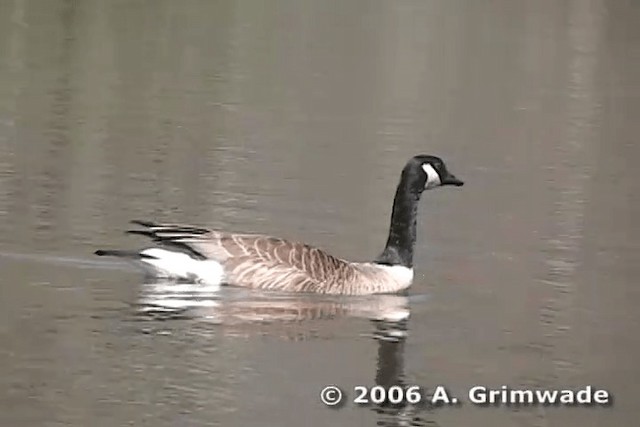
277	264
262	262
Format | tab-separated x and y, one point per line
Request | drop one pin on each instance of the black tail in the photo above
171	235
156	228
143	223
122	254
141	232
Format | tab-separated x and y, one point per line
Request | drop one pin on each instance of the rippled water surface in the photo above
294	118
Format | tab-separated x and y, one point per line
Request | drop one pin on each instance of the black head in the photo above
427	172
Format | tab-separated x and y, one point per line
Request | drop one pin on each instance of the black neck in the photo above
402	232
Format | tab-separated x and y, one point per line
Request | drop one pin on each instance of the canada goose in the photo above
270	263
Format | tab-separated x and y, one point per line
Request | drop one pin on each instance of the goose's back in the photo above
270	263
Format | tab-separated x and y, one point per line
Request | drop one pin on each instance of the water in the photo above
293	118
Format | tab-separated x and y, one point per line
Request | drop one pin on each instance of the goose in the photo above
264	262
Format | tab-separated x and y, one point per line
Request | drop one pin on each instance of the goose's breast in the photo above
400	274
386	278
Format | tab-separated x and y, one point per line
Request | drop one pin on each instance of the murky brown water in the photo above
294	118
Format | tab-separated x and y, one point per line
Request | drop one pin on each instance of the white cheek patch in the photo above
433	179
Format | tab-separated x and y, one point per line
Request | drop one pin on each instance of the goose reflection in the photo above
391	337
232	305
389	316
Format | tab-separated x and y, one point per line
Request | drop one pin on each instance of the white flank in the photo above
433	179
178	265
394	315
402	275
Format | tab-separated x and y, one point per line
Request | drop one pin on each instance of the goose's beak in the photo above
452	180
